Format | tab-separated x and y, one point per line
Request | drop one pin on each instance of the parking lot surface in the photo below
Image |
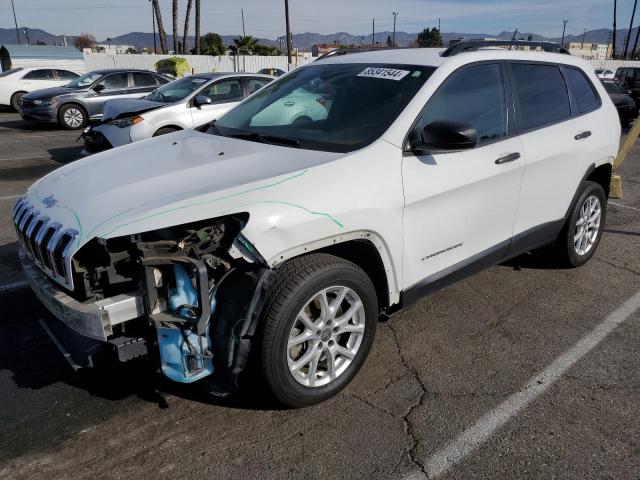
523	370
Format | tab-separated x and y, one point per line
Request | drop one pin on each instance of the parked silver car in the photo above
73	105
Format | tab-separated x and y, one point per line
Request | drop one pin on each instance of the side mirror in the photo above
443	136
98	88
201	100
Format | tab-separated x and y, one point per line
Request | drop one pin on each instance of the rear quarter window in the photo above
541	94
582	89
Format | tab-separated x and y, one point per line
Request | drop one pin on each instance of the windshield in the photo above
85	80
611	87
331	107
177	90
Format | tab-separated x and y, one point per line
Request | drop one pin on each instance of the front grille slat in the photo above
47	243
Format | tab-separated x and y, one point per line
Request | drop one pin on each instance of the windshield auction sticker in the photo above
386	73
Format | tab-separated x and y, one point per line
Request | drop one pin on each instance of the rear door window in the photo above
142	80
541	94
583	92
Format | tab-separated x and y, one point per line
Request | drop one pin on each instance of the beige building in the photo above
590	51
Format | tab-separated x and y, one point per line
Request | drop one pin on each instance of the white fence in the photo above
198	63
243	63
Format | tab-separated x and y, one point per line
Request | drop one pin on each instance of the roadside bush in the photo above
175	66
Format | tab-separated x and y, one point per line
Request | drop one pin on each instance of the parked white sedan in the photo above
16	82
188	102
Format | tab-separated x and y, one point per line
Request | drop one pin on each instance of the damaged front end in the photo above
190	295
204	287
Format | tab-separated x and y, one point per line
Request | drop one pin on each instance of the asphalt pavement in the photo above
523	370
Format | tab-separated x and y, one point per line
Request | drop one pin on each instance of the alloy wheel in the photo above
73	117
587	225
325	336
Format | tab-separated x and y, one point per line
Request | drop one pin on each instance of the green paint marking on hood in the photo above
204	202
295	205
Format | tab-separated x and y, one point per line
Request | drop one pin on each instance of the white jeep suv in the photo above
288	240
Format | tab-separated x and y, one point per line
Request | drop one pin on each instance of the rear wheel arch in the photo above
602	176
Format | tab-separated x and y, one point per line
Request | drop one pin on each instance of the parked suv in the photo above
287	240
629	80
73	105
16	82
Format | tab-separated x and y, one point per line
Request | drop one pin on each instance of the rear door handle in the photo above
583	135
508	158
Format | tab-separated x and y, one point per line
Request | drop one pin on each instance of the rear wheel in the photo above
15	98
580	237
72	117
318	327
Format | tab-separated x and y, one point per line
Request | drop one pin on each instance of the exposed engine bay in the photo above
203	286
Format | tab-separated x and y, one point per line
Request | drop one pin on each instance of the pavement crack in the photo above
371	404
619	267
409	428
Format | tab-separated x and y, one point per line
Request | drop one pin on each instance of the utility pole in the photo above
583	35
373	33
393	40
153	23
626	44
286	14
244	34
615	13
15	21
564	28
26	34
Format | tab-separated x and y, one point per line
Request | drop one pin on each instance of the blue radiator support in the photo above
185	355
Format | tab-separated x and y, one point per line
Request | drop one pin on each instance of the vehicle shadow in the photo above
21	125
35	364
542	259
65	155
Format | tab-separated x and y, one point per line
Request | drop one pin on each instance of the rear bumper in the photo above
93	320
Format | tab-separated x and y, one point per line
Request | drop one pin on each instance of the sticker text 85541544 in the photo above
386	73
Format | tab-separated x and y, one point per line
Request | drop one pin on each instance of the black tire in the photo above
14	99
298	281
165	130
77	118
565	250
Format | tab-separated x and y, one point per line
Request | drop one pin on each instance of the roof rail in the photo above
345	51
474	45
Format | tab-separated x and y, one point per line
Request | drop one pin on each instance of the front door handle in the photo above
508	158
583	135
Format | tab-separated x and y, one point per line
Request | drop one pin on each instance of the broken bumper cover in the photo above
94	320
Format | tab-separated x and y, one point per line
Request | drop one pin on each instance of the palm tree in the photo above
197	27
244	44
613	40
161	31
185	37
633	14
175	26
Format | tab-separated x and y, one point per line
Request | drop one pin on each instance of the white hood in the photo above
168	180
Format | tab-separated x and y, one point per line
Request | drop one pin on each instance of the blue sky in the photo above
265	18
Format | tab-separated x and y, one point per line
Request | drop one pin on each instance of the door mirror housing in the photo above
99	88
201	100
443	136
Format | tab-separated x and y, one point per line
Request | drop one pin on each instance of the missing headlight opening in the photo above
202	285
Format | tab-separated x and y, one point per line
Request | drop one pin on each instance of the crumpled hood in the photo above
172	179
46	93
125	107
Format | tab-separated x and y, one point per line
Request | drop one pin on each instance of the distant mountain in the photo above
304	41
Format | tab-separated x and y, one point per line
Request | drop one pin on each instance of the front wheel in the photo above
15	98
318	326
72	117
581	235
